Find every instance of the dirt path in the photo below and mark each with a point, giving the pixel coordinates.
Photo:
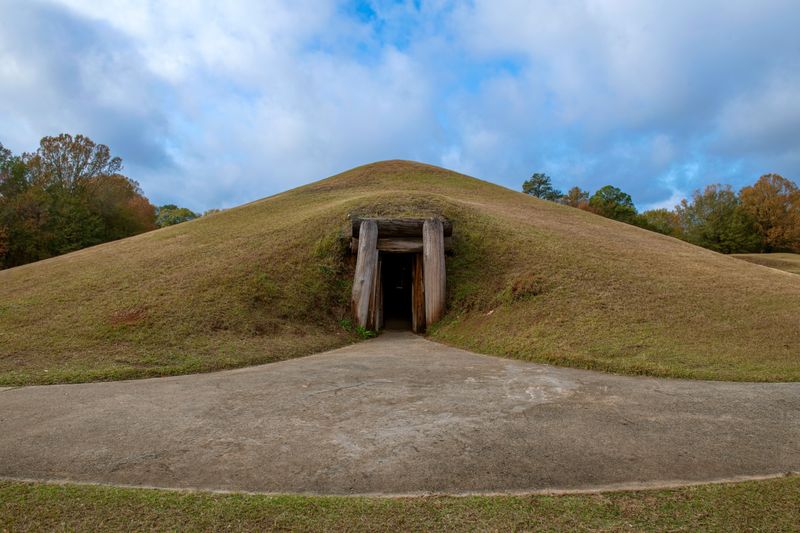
(399, 414)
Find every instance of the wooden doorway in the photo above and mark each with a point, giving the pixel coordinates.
(402, 293)
(399, 281)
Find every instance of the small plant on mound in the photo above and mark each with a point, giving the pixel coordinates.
(360, 331)
(365, 333)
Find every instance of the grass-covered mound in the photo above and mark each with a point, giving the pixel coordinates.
(271, 280)
(782, 261)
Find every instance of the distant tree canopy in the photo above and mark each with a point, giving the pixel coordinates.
(540, 186)
(762, 217)
(67, 195)
(171, 214)
(68, 162)
(715, 219)
(576, 197)
(662, 221)
(611, 202)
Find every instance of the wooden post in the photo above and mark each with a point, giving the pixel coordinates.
(434, 269)
(364, 279)
(417, 297)
(376, 305)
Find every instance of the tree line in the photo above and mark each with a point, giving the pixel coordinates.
(762, 217)
(69, 194)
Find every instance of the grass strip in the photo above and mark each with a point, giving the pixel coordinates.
(767, 505)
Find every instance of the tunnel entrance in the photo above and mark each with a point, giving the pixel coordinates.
(399, 280)
(396, 282)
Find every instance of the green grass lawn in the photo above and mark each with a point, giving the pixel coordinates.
(769, 505)
(271, 280)
(781, 261)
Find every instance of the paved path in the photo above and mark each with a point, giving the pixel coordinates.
(399, 414)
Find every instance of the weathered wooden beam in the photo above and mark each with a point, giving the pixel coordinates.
(399, 227)
(364, 279)
(434, 269)
(401, 245)
(376, 302)
(417, 296)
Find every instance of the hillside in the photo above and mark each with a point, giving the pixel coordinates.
(271, 280)
(782, 261)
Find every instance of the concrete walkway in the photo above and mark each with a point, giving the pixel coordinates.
(396, 415)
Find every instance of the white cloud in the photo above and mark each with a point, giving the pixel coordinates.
(212, 104)
(631, 91)
(260, 95)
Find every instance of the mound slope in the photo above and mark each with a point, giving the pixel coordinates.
(782, 261)
(271, 280)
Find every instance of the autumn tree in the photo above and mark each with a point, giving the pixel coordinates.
(26, 219)
(12, 186)
(12, 173)
(576, 197)
(541, 186)
(774, 204)
(715, 219)
(120, 204)
(67, 161)
(67, 195)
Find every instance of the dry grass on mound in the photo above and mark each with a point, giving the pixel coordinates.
(224, 291)
(271, 280)
(781, 261)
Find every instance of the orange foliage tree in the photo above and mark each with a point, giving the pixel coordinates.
(774, 204)
(576, 197)
(67, 195)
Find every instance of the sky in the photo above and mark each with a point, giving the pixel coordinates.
(213, 104)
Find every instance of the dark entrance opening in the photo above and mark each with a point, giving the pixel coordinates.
(399, 279)
(396, 279)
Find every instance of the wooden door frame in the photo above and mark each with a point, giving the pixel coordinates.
(428, 239)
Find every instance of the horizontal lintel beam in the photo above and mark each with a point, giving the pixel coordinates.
(399, 227)
(401, 245)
